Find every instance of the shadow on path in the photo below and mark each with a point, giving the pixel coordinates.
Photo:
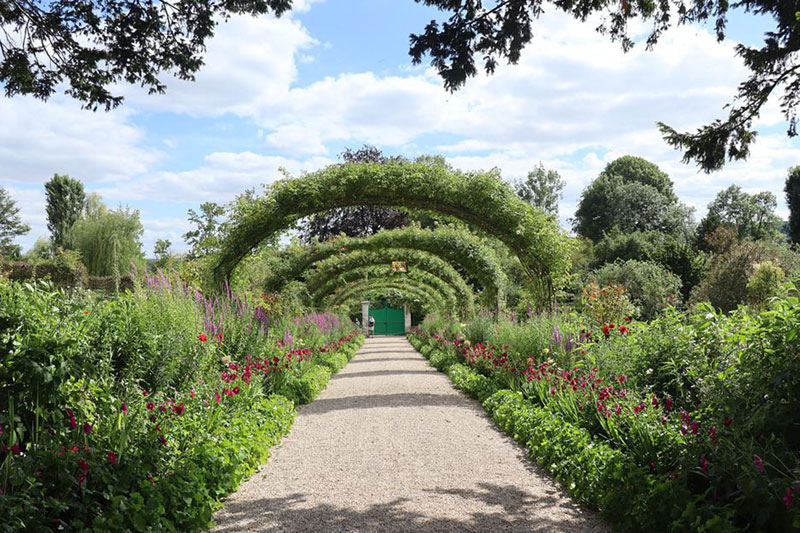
(371, 401)
(348, 375)
(517, 511)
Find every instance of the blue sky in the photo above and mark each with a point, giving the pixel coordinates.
(293, 92)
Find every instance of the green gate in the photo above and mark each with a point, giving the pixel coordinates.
(388, 321)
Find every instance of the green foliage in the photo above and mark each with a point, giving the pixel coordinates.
(11, 226)
(675, 254)
(66, 201)
(304, 388)
(108, 241)
(631, 194)
(132, 42)
(428, 296)
(650, 287)
(441, 360)
(606, 304)
(481, 199)
(764, 283)
(337, 271)
(459, 247)
(752, 215)
(792, 190)
(205, 238)
(142, 411)
(473, 384)
(731, 269)
(542, 188)
(162, 253)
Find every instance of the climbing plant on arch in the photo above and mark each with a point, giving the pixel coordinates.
(455, 301)
(421, 290)
(418, 300)
(480, 199)
(416, 260)
(457, 246)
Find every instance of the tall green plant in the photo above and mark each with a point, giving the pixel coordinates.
(109, 241)
(66, 200)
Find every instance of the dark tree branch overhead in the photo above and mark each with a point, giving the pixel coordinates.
(90, 45)
(501, 29)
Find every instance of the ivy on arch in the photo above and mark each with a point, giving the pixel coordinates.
(453, 300)
(328, 271)
(457, 246)
(421, 290)
(481, 199)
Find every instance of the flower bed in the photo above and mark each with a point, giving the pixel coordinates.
(95, 436)
(679, 445)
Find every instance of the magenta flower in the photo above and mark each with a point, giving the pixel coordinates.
(789, 498)
(87, 428)
(704, 464)
(759, 464)
(125, 408)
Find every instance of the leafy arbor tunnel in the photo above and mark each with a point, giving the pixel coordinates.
(447, 265)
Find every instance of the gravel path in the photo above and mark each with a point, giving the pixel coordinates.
(392, 446)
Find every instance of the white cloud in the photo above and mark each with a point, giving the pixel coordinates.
(38, 139)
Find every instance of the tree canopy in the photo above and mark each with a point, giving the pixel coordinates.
(66, 201)
(630, 194)
(500, 30)
(792, 191)
(11, 225)
(541, 188)
(751, 215)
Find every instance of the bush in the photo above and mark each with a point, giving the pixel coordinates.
(764, 283)
(650, 286)
(442, 359)
(304, 388)
(473, 384)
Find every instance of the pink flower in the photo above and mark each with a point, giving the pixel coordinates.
(87, 428)
(758, 463)
(162, 439)
(178, 409)
(668, 404)
(125, 408)
(704, 464)
(150, 406)
(655, 402)
(623, 379)
(112, 457)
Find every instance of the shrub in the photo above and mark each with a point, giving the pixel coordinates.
(606, 304)
(764, 283)
(442, 359)
(304, 388)
(650, 286)
(473, 384)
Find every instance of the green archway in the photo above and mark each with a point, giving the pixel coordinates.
(414, 298)
(453, 299)
(338, 266)
(420, 290)
(457, 246)
(481, 199)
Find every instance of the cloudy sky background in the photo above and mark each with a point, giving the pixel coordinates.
(294, 92)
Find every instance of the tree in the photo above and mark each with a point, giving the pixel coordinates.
(66, 200)
(162, 252)
(90, 47)
(631, 194)
(11, 225)
(792, 190)
(500, 30)
(751, 215)
(359, 221)
(542, 188)
(109, 241)
(204, 239)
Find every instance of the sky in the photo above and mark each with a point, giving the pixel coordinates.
(294, 92)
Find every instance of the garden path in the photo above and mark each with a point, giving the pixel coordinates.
(392, 446)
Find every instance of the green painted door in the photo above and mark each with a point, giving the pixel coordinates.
(388, 321)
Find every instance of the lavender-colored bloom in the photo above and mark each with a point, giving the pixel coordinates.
(287, 338)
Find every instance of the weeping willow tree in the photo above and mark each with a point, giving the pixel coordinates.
(108, 239)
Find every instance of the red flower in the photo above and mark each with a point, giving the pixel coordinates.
(727, 422)
(178, 409)
(655, 402)
(623, 379)
(150, 406)
(15, 449)
(217, 397)
(627, 319)
(789, 498)
(81, 478)
(125, 408)
(705, 465)
(87, 428)
(202, 337)
(236, 390)
(83, 465)
(162, 440)
(668, 404)
(112, 457)
(758, 463)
